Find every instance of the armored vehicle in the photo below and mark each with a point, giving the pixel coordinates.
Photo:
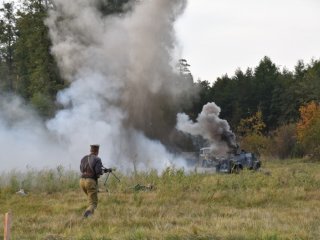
(231, 163)
(236, 162)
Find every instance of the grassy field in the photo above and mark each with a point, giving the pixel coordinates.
(280, 203)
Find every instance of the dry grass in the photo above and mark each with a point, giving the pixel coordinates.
(281, 205)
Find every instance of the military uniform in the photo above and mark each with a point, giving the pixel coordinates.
(91, 169)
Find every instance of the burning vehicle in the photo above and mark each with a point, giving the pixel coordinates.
(231, 163)
(223, 152)
(236, 162)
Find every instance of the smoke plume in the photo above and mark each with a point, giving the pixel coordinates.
(124, 89)
(209, 126)
(25, 141)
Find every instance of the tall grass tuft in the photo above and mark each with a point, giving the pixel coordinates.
(46, 180)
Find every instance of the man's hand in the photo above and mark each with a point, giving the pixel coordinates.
(106, 170)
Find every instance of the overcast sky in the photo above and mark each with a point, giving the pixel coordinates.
(219, 36)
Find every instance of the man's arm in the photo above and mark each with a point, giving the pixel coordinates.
(98, 167)
(82, 165)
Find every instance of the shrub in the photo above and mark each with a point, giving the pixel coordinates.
(284, 142)
(258, 144)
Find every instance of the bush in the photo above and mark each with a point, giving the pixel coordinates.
(258, 144)
(285, 142)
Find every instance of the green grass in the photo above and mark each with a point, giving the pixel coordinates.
(282, 203)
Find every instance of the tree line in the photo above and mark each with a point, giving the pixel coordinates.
(260, 104)
(265, 107)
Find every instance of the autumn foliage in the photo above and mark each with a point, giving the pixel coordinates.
(252, 125)
(251, 135)
(308, 129)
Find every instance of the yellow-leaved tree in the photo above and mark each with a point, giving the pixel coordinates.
(308, 129)
(251, 135)
(252, 125)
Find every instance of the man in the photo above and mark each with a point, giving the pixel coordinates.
(91, 169)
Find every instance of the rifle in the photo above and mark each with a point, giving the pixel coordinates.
(109, 171)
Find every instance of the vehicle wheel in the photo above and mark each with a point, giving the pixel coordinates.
(236, 169)
(257, 165)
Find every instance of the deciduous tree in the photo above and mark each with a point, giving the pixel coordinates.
(308, 128)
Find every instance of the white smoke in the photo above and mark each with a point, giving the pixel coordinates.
(122, 84)
(25, 141)
(120, 73)
(209, 126)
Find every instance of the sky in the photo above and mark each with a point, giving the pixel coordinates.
(217, 37)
